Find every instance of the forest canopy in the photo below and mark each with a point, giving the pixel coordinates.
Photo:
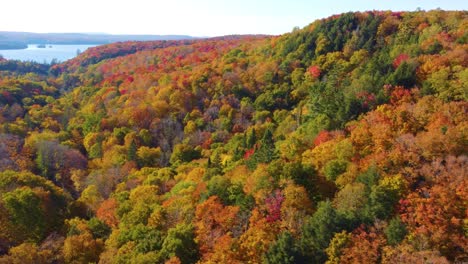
(342, 142)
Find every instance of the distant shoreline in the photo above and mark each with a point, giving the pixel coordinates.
(21, 46)
(12, 46)
(45, 53)
(20, 40)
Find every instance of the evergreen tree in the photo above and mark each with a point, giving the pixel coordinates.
(213, 167)
(251, 138)
(318, 231)
(132, 151)
(180, 242)
(283, 251)
(395, 231)
(266, 151)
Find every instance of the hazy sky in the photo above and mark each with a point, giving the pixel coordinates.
(189, 17)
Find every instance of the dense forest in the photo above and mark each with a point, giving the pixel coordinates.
(342, 142)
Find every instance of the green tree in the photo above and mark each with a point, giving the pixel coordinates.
(24, 208)
(218, 185)
(383, 198)
(132, 151)
(395, 231)
(266, 151)
(334, 168)
(148, 157)
(327, 98)
(251, 139)
(318, 231)
(180, 242)
(144, 238)
(369, 177)
(184, 153)
(213, 166)
(404, 75)
(98, 228)
(283, 251)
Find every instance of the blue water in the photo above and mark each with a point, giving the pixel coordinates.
(45, 55)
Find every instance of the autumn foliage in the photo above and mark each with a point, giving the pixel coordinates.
(343, 142)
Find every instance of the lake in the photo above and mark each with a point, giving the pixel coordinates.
(51, 51)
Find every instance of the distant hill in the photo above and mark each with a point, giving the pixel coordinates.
(19, 40)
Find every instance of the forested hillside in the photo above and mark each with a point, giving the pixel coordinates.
(342, 142)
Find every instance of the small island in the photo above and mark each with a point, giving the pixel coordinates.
(41, 46)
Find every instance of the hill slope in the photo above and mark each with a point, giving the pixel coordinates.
(343, 142)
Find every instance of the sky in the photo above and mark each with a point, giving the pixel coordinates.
(203, 18)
